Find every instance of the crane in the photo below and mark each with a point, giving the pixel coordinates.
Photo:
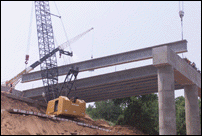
(44, 29)
(16, 79)
(57, 101)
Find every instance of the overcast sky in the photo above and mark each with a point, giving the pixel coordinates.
(119, 26)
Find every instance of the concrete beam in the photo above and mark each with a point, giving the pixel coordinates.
(116, 59)
(184, 73)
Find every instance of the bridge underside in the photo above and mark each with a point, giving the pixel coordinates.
(126, 83)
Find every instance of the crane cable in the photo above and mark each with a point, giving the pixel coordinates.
(181, 14)
(64, 31)
(92, 51)
(92, 45)
(29, 37)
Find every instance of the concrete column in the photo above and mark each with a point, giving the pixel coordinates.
(167, 116)
(192, 110)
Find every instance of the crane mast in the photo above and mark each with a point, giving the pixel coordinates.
(49, 70)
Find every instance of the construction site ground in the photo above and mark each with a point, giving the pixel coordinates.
(21, 124)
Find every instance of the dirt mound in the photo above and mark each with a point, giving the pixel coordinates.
(103, 123)
(126, 130)
(7, 103)
(18, 124)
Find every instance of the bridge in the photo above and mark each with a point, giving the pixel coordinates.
(168, 72)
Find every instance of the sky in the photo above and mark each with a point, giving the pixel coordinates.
(119, 26)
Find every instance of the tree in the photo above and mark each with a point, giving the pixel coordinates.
(105, 110)
(180, 115)
(141, 112)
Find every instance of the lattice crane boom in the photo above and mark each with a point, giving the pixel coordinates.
(18, 77)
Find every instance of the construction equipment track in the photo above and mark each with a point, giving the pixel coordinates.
(19, 111)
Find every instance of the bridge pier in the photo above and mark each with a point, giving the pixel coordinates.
(167, 117)
(169, 63)
(193, 126)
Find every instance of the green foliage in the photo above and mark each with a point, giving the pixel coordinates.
(142, 113)
(105, 110)
(180, 115)
(120, 120)
(138, 111)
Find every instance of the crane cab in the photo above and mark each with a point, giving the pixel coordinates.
(67, 107)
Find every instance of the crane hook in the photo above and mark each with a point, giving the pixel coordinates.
(181, 14)
(26, 59)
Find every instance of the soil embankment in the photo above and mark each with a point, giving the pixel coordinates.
(18, 124)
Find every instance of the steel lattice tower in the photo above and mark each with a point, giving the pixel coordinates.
(49, 71)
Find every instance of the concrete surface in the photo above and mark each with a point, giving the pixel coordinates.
(185, 74)
(193, 126)
(167, 117)
(172, 68)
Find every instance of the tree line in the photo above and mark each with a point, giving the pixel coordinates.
(138, 111)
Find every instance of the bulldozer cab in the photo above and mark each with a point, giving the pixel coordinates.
(67, 107)
(56, 106)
